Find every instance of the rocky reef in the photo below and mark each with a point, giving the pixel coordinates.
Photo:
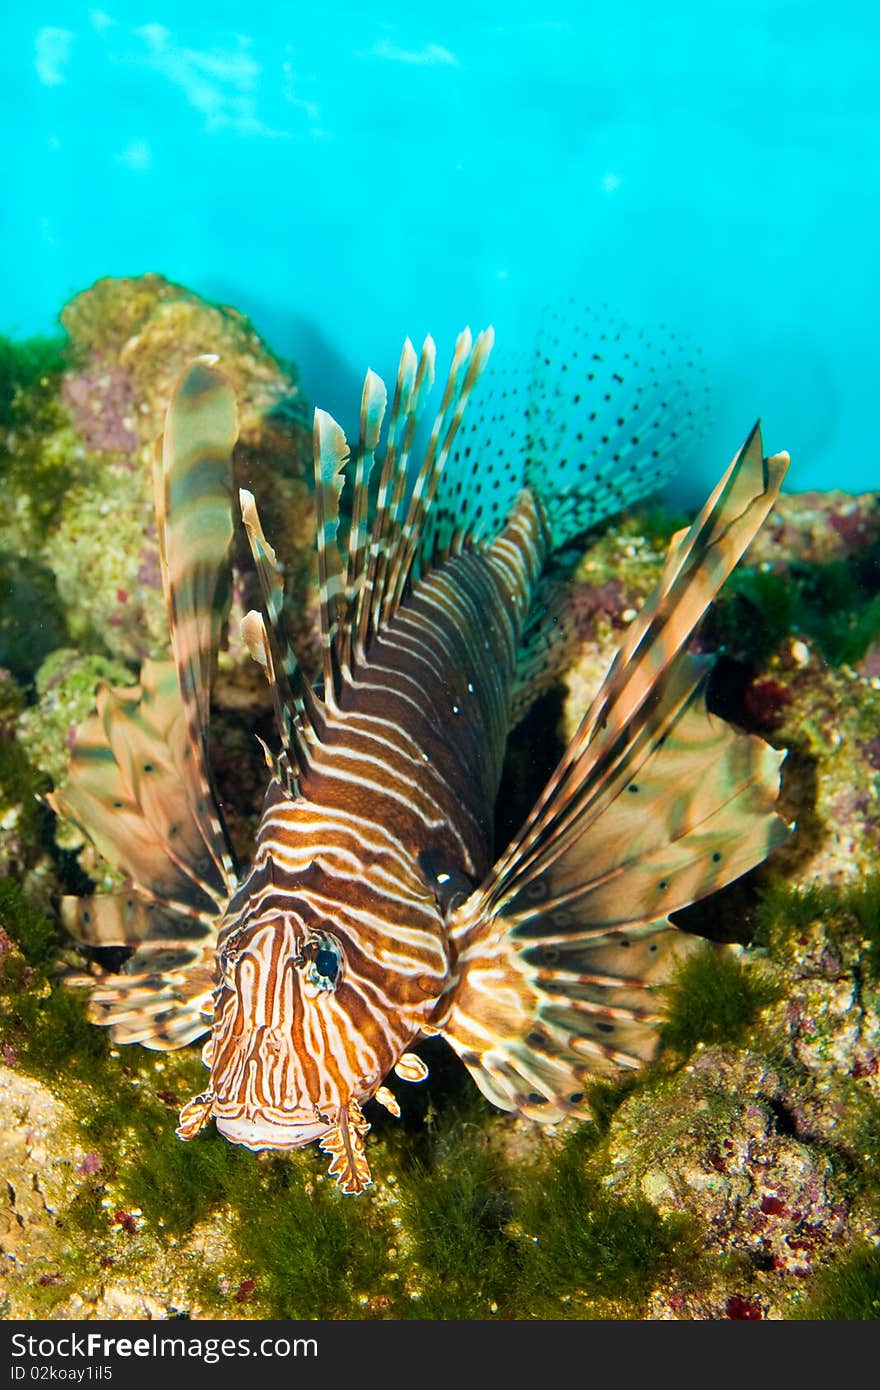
(738, 1177)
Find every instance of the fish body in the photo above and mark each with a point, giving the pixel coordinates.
(372, 913)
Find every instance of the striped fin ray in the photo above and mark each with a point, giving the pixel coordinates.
(269, 644)
(654, 805)
(331, 456)
(414, 382)
(599, 757)
(373, 402)
(357, 603)
(165, 1005)
(192, 479)
(469, 360)
(126, 789)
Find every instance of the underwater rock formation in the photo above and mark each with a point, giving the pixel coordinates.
(736, 1178)
(80, 456)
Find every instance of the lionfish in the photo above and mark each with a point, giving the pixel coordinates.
(373, 914)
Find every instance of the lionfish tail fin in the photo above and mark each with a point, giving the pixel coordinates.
(655, 804)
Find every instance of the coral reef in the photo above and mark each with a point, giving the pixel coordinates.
(736, 1178)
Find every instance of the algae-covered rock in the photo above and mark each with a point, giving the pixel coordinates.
(65, 683)
(709, 1143)
(78, 458)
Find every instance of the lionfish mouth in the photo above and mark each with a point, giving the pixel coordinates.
(261, 1132)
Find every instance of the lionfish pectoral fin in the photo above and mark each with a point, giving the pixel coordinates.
(345, 1146)
(654, 804)
(163, 1006)
(162, 998)
(139, 783)
(195, 1115)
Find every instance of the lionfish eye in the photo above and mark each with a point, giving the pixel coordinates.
(321, 960)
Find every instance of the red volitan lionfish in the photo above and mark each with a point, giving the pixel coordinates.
(372, 914)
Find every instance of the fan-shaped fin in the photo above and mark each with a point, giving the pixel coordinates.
(139, 783)
(561, 619)
(128, 788)
(654, 805)
(162, 996)
(597, 416)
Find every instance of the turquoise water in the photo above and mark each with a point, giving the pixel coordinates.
(349, 173)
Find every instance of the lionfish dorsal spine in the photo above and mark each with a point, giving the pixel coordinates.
(330, 457)
(268, 640)
(469, 360)
(361, 590)
(373, 402)
(403, 394)
(406, 414)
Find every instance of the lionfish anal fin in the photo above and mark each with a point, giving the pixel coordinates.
(653, 805)
(345, 1146)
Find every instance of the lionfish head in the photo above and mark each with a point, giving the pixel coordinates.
(290, 1060)
(284, 1057)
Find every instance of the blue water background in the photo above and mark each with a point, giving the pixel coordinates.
(350, 173)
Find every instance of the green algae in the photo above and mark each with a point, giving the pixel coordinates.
(29, 370)
(311, 1252)
(22, 816)
(36, 455)
(784, 911)
(713, 998)
(587, 1244)
(848, 1291)
(832, 603)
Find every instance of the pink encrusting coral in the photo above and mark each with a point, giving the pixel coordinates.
(102, 401)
